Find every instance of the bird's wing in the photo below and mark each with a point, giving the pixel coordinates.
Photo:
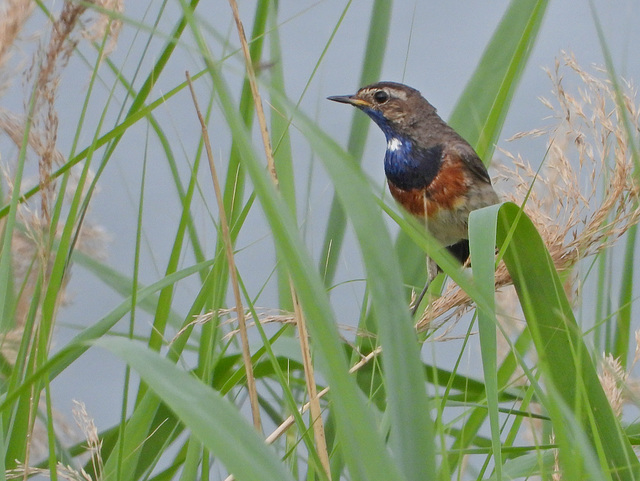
(471, 159)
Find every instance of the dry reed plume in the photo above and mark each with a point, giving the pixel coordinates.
(42, 81)
(32, 242)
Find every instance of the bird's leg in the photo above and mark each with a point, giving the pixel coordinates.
(432, 267)
(432, 271)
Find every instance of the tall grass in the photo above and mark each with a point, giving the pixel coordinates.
(369, 409)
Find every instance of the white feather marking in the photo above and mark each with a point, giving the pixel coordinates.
(394, 144)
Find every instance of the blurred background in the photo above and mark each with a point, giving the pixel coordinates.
(432, 46)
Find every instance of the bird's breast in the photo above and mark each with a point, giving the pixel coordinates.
(446, 191)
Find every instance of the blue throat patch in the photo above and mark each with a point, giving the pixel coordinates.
(408, 167)
(405, 165)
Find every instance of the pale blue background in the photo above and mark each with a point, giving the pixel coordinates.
(433, 46)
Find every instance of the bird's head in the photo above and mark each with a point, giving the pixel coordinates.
(396, 108)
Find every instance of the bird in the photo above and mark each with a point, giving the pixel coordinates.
(431, 170)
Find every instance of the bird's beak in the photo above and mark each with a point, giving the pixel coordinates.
(351, 100)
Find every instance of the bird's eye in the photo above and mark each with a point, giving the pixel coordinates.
(381, 96)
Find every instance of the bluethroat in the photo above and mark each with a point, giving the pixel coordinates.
(431, 170)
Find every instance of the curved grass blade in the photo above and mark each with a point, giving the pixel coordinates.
(482, 241)
(78, 345)
(622, 328)
(408, 406)
(574, 397)
(213, 420)
(371, 68)
(482, 108)
(364, 449)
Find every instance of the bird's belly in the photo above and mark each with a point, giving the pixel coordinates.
(448, 226)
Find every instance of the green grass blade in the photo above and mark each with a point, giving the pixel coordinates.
(624, 327)
(563, 357)
(78, 345)
(620, 100)
(371, 68)
(235, 180)
(365, 452)
(527, 466)
(623, 322)
(482, 108)
(482, 241)
(6, 277)
(411, 427)
(282, 154)
(477, 417)
(120, 283)
(114, 133)
(211, 418)
(165, 298)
